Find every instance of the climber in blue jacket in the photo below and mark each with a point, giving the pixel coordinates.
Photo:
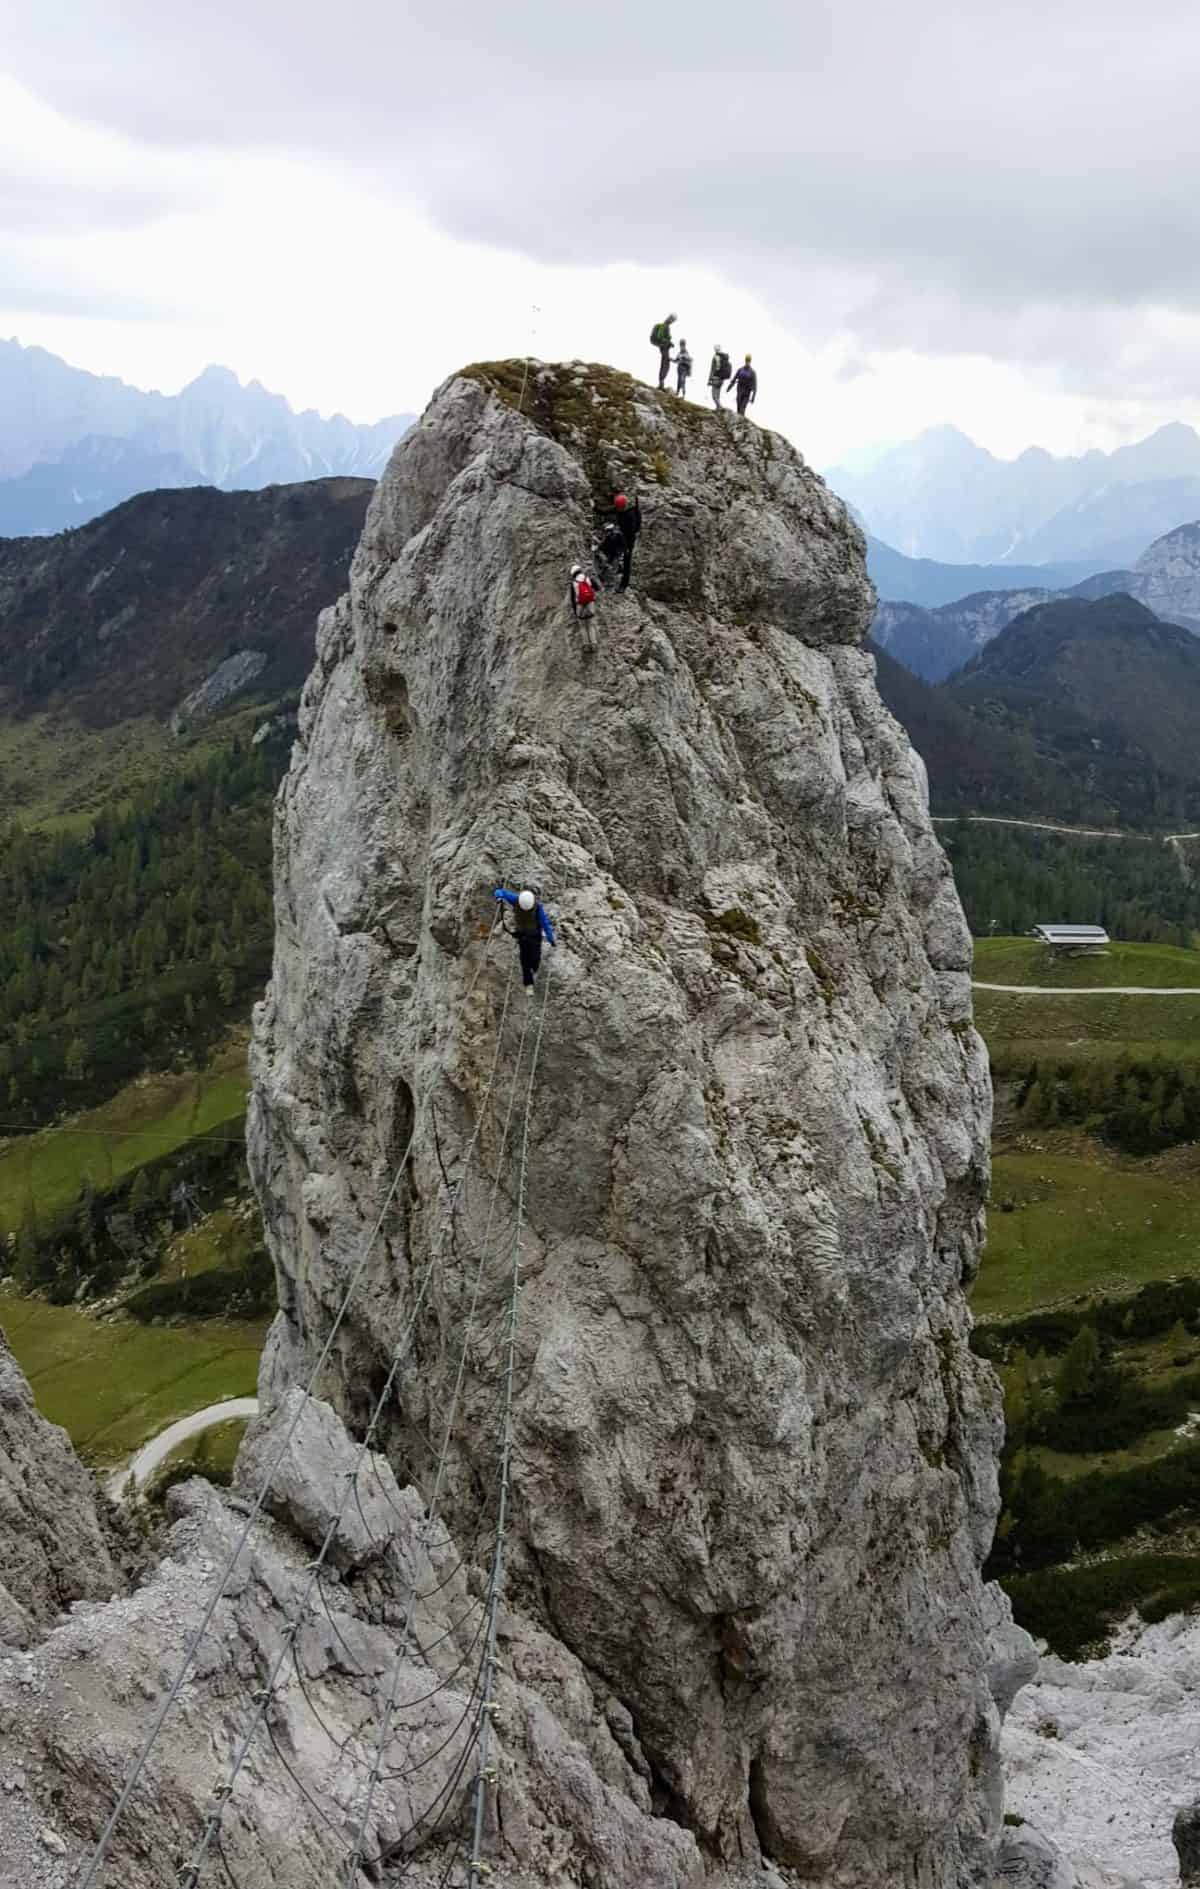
(530, 926)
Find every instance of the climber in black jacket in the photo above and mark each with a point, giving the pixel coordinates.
(629, 523)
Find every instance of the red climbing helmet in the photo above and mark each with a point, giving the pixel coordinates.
(620, 501)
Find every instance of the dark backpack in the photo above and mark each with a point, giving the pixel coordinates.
(660, 335)
(723, 366)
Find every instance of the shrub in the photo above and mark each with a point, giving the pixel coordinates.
(1074, 1609)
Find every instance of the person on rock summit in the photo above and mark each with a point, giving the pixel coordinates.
(629, 523)
(530, 926)
(683, 369)
(718, 373)
(660, 338)
(746, 382)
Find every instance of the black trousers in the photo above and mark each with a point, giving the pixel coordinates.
(743, 401)
(664, 364)
(681, 381)
(626, 566)
(529, 944)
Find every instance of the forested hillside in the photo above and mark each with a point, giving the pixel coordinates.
(1081, 712)
(132, 945)
(1012, 878)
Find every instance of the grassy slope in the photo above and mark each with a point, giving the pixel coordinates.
(147, 1119)
(1023, 961)
(113, 1385)
(1085, 1222)
(1088, 1028)
(1026, 1029)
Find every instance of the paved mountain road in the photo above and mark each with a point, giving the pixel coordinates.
(139, 1469)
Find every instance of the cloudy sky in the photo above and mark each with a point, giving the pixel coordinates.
(911, 214)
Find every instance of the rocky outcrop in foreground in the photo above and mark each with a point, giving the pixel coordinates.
(54, 1548)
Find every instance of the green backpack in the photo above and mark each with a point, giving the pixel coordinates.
(660, 335)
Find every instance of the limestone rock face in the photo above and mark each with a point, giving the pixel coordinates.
(753, 1468)
(53, 1547)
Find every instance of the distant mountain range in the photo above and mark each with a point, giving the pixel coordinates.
(941, 496)
(73, 444)
(925, 581)
(1082, 711)
(934, 643)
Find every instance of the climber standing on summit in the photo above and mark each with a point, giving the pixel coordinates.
(718, 373)
(746, 382)
(629, 523)
(530, 926)
(660, 338)
(683, 369)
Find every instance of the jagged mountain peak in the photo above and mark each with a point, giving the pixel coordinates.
(226, 434)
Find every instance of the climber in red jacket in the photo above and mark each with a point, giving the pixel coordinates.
(583, 604)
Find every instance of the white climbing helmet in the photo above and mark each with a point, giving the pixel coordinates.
(526, 900)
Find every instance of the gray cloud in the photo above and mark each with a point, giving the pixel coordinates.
(943, 178)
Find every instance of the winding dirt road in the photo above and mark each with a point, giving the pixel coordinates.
(139, 1469)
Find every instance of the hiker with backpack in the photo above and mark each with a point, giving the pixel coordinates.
(530, 925)
(660, 338)
(608, 553)
(683, 369)
(718, 373)
(583, 604)
(746, 382)
(628, 523)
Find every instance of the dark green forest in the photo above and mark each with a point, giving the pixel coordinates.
(1138, 1107)
(1012, 878)
(137, 942)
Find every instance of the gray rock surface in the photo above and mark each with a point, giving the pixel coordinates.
(1104, 1754)
(75, 1709)
(53, 1545)
(236, 673)
(1012, 1653)
(1167, 577)
(1028, 1860)
(754, 1465)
